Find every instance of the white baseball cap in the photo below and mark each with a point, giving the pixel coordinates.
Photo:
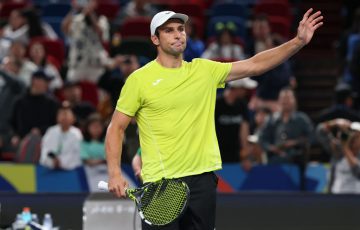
(161, 17)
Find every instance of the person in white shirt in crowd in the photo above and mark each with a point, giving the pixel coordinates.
(341, 138)
(25, 24)
(60, 148)
(86, 31)
(18, 51)
(37, 55)
(224, 46)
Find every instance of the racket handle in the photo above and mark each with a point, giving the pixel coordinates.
(102, 185)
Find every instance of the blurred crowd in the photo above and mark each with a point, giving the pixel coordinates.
(63, 64)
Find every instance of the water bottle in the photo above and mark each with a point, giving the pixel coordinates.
(18, 223)
(47, 222)
(35, 218)
(26, 215)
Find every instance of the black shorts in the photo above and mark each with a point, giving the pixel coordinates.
(200, 213)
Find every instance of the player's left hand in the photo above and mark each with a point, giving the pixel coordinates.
(308, 25)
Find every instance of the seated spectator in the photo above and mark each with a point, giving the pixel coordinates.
(5, 42)
(86, 31)
(36, 109)
(26, 24)
(18, 50)
(344, 51)
(194, 45)
(37, 55)
(113, 80)
(60, 147)
(136, 164)
(341, 139)
(271, 82)
(134, 8)
(72, 93)
(342, 107)
(10, 89)
(92, 147)
(232, 121)
(224, 47)
(286, 132)
(258, 155)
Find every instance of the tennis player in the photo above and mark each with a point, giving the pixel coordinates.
(173, 102)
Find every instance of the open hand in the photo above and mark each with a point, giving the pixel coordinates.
(308, 25)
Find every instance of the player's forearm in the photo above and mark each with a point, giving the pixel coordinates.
(113, 146)
(271, 58)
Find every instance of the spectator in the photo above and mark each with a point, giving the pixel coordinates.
(112, 81)
(60, 147)
(86, 32)
(135, 8)
(345, 49)
(82, 109)
(258, 155)
(341, 139)
(10, 89)
(224, 47)
(37, 55)
(18, 50)
(342, 108)
(36, 109)
(92, 147)
(274, 80)
(287, 132)
(232, 121)
(26, 24)
(194, 45)
(136, 164)
(5, 42)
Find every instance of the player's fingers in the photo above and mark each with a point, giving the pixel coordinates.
(318, 25)
(306, 15)
(116, 191)
(316, 20)
(313, 16)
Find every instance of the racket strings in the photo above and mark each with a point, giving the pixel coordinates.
(162, 203)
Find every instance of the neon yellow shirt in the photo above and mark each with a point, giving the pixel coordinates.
(174, 109)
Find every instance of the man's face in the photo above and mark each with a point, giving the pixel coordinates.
(287, 100)
(172, 37)
(261, 29)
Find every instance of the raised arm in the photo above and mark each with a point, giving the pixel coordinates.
(271, 58)
(113, 146)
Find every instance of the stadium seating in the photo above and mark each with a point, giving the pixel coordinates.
(55, 10)
(108, 8)
(280, 25)
(274, 8)
(136, 27)
(9, 6)
(230, 9)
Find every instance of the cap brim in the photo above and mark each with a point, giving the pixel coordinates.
(182, 17)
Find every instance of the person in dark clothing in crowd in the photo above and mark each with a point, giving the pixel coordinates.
(232, 120)
(342, 108)
(81, 109)
(36, 110)
(10, 88)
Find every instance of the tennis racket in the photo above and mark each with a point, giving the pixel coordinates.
(159, 203)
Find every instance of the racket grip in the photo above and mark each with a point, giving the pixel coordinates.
(102, 185)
